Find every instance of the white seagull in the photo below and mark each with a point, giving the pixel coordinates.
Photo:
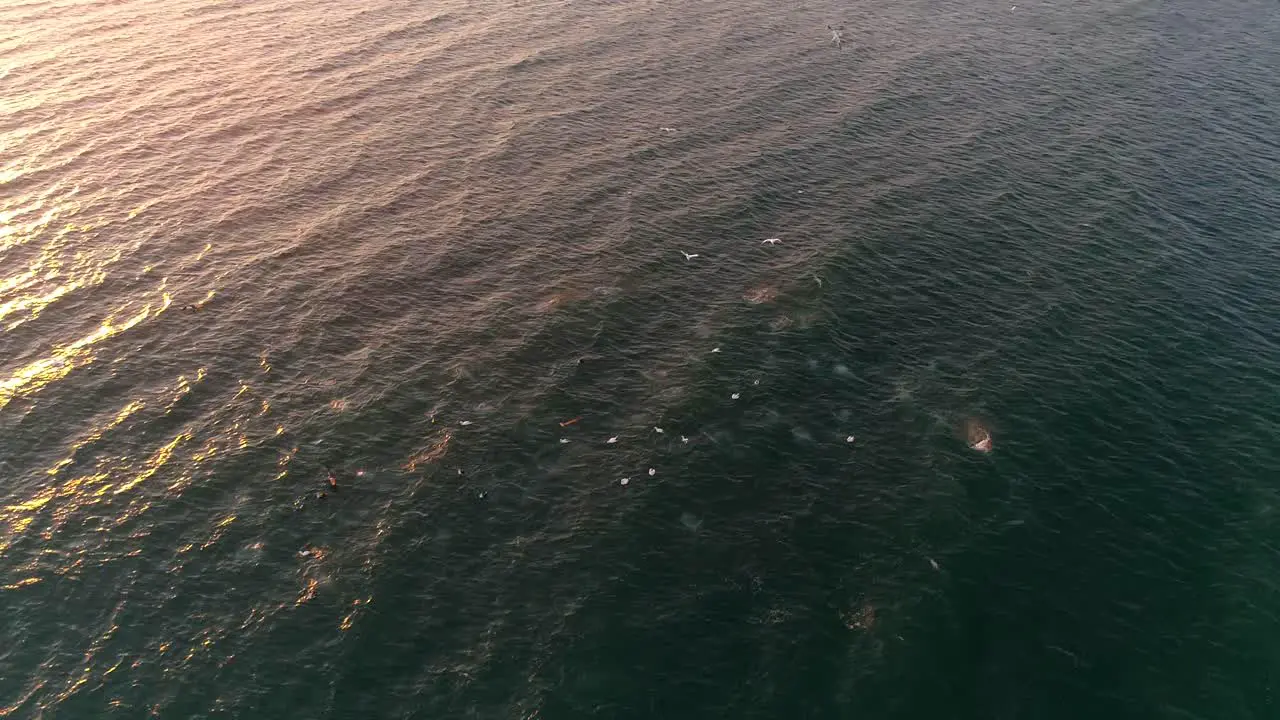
(835, 35)
(688, 256)
(771, 241)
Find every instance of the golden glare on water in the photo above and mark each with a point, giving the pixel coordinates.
(349, 620)
(22, 583)
(240, 422)
(96, 434)
(308, 591)
(63, 360)
(432, 453)
(219, 529)
(154, 463)
(81, 490)
(19, 233)
(59, 269)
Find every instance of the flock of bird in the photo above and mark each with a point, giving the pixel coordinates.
(980, 442)
(979, 438)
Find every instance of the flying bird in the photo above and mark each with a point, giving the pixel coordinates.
(835, 35)
(688, 256)
(771, 241)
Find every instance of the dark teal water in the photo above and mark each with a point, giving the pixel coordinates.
(436, 251)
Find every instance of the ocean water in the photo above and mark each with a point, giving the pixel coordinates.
(435, 251)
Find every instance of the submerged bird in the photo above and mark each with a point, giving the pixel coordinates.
(691, 522)
(688, 256)
(977, 436)
(835, 35)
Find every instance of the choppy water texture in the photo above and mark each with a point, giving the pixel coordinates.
(436, 248)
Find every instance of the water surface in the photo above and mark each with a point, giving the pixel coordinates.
(435, 249)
